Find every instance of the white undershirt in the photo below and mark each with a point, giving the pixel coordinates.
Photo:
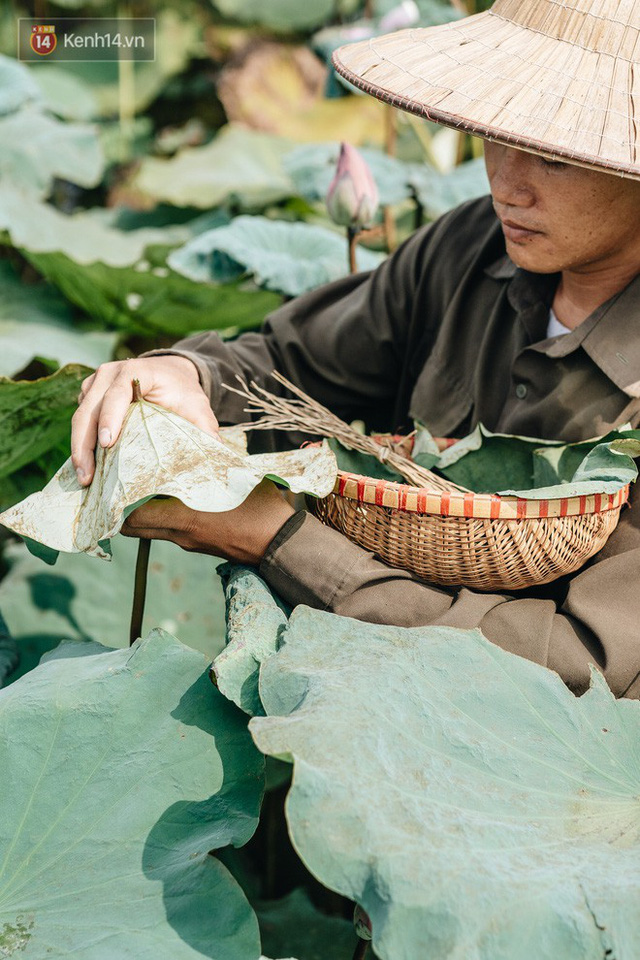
(555, 328)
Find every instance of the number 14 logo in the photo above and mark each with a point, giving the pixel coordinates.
(43, 39)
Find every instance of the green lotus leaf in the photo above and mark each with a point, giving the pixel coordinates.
(363, 464)
(252, 636)
(439, 192)
(290, 258)
(43, 606)
(35, 148)
(36, 322)
(286, 16)
(122, 769)
(293, 925)
(148, 297)
(462, 795)
(35, 415)
(241, 165)
(121, 277)
(158, 453)
(542, 469)
(63, 93)
(85, 238)
(17, 85)
(9, 656)
(432, 12)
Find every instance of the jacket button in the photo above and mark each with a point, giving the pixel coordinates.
(521, 391)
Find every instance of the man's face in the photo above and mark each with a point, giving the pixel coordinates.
(557, 217)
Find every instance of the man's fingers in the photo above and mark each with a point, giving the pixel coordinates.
(84, 433)
(105, 397)
(84, 423)
(115, 403)
(156, 516)
(86, 385)
(202, 416)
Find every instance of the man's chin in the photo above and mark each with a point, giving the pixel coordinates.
(527, 257)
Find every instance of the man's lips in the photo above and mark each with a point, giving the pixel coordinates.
(518, 231)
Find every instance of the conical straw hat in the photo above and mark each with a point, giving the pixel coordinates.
(556, 77)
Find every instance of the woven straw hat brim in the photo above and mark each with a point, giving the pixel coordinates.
(548, 77)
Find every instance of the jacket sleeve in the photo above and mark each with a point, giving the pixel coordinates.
(594, 619)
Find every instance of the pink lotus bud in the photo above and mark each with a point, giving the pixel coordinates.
(405, 15)
(352, 198)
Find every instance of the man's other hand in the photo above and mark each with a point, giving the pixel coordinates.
(242, 534)
(170, 381)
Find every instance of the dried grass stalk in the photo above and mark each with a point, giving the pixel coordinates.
(308, 416)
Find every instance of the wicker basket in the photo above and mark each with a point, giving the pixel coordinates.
(476, 540)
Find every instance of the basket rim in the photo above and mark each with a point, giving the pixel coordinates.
(491, 506)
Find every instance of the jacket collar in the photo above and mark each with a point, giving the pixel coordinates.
(610, 335)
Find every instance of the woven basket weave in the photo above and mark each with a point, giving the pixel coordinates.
(475, 540)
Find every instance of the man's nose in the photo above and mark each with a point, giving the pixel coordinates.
(510, 178)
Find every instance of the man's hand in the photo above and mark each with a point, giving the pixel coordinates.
(170, 381)
(242, 534)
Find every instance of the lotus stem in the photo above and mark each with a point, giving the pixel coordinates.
(139, 590)
(361, 950)
(142, 564)
(352, 241)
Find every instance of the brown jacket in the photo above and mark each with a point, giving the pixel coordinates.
(449, 331)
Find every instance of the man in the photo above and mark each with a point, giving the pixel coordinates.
(520, 311)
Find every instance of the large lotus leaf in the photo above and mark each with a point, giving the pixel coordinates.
(432, 12)
(9, 655)
(313, 167)
(17, 86)
(148, 297)
(363, 464)
(158, 453)
(252, 636)
(35, 148)
(279, 89)
(240, 165)
(439, 192)
(288, 257)
(63, 93)
(36, 322)
(36, 227)
(35, 415)
(43, 606)
(120, 276)
(531, 468)
(473, 806)
(287, 16)
(122, 769)
(293, 925)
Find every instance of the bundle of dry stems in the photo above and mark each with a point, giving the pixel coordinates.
(306, 415)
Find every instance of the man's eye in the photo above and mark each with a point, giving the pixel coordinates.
(557, 164)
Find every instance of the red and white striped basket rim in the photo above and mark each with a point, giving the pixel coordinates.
(484, 506)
